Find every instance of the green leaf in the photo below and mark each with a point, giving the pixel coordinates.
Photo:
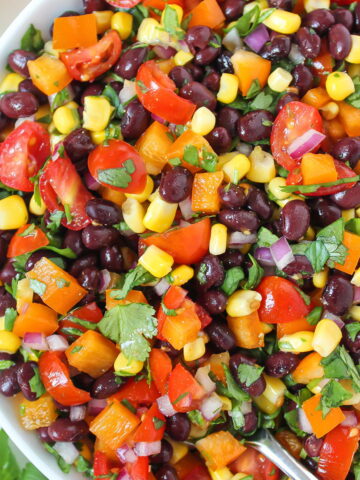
(353, 226)
(134, 278)
(84, 323)
(333, 395)
(317, 255)
(55, 220)
(233, 276)
(248, 374)
(332, 237)
(266, 238)
(30, 472)
(168, 311)
(20, 262)
(10, 317)
(68, 215)
(130, 325)
(64, 467)
(36, 385)
(232, 389)
(175, 162)
(61, 98)
(62, 283)
(239, 104)
(118, 177)
(314, 187)
(292, 420)
(255, 274)
(29, 231)
(4, 364)
(353, 329)
(114, 99)
(254, 89)
(191, 155)
(9, 469)
(334, 230)
(340, 365)
(158, 423)
(37, 286)
(354, 98)
(237, 416)
(195, 417)
(171, 23)
(314, 316)
(12, 288)
(32, 40)
(64, 252)
(209, 161)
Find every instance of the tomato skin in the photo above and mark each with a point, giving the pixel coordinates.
(123, 3)
(85, 64)
(56, 379)
(101, 464)
(156, 91)
(114, 155)
(253, 463)
(139, 470)
(90, 312)
(183, 389)
(293, 120)
(19, 245)
(137, 393)
(337, 454)
(22, 154)
(281, 302)
(147, 430)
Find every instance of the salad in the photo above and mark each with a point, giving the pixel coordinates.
(180, 237)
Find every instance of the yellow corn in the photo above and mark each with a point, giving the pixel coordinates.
(224, 158)
(282, 21)
(262, 4)
(354, 54)
(156, 261)
(279, 79)
(13, 212)
(262, 166)
(179, 12)
(203, 121)
(221, 474)
(311, 5)
(327, 337)
(133, 213)
(226, 403)
(43, 111)
(353, 70)
(103, 20)
(298, 342)
(273, 397)
(229, 85)
(145, 194)
(35, 208)
(98, 137)
(348, 214)
(24, 294)
(356, 278)
(355, 312)
(182, 58)
(218, 239)
(97, 113)
(9, 342)
(282, 203)
(339, 85)
(194, 350)
(320, 279)
(267, 327)
(348, 385)
(241, 476)
(151, 32)
(243, 302)
(310, 233)
(66, 119)
(182, 275)
(275, 188)
(179, 451)
(160, 215)
(11, 82)
(329, 111)
(236, 168)
(122, 22)
(127, 366)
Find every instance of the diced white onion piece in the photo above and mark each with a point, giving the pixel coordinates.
(350, 420)
(246, 407)
(144, 449)
(165, 406)
(67, 451)
(295, 55)
(77, 413)
(161, 287)
(128, 91)
(202, 376)
(57, 343)
(232, 40)
(239, 239)
(186, 208)
(304, 423)
(126, 454)
(211, 407)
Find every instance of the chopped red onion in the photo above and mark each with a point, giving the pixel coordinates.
(257, 39)
(90, 182)
(67, 451)
(232, 40)
(307, 142)
(161, 287)
(128, 92)
(184, 46)
(202, 376)
(55, 154)
(144, 449)
(165, 406)
(124, 475)
(304, 423)
(164, 52)
(264, 257)
(21, 120)
(282, 253)
(158, 119)
(334, 318)
(350, 420)
(356, 295)
(95, 406)
(126, 454)
(77, 413)
(186, 208)
(57, 343)
(36, 341)
(105, 279)
(239, 239)
(211, 406)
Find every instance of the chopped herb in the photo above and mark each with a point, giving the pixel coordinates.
(142, 86)
(333, 394)
(317, 255)
(61, 98)
(175, 162)
(353, 329)
(171, 23)
(195, 417)
(266, 238)
(255, 274)
(61, 282)
(36, 385)
(64, 467)
(32, 40)
(292, 420)
(314, 316)
(67, 211)
(168, 311)
(191, 155)
(248, 374)
(354, 98)
(353, 226)
(77, 349)
(201, 274)
(10, 317)
(4, 364)
(37, 286)
(254, 89)
(134, 278)
(55, 220)
(209, 160)
(114, 99)
(12, 288)
(158, 423)
(233, 276)
(313, 188)
(180, 397)
(118, 177)
(29, 231)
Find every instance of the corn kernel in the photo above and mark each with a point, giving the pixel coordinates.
(229, 86)
(145, 194)
(221, 474)
(224, 158)
(282, 21)
(13, 213)
(348, 385)
(298, 342)
(279, 79)
(182, 58)
(356, 278)
(262, 166)
(320, 278)
(275, 188)
(133, 213)
(273, 396)
(236, 169)
(66, 119)
(226, 403)
(329, 111)
(282, 203)
(311, 5)
(97, 113)
(348, 214)
(156, 261)
(262, 4)
(267, 327)
(122, 22)
(127, 366)
(179, 451)
(113, 195)
(354, 54)
(339, 85)
(36, 208)
(327, 337)
(98, 137)
(355, 312)
(160, 215)
(151, 32)
(103, 20)
(9, 342)
(194, 350)
(11, 82)
(243, 302)
(24, 294)
(309, 234)
(182, 275)
(218, 239)
(353, 70)
(203, 121)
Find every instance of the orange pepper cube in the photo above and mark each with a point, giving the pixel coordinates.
(92, 353)
(250, 67)
(36, 318)
(205, 194)
(40, 413)
(349, 116)
(61, 290)
(321, 426)
(248, 330)
(183, 327)
(219, 449)
(207, 12)
(318, 168)
(352, 243)
(308, 369)
(49, 74)
(74, 32)
(134, 296)
(153, 146)
(114, 425)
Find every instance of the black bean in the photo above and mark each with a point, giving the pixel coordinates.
(9, 385)
(195, 71)
(130, 61)
(3, 251)
(135, 120)
(233, 9)
(36, 256)
(347, 198)
(221, 335)
(28, 86)
(178, 427)
(212, 81)
(339, 41)
(259, 203)
(278, 47)
(91, 6)
(319, 20)
(250, 422)
(117, 86)
(295, 219)
(338, 295)
(356, 13)
(19, 104)
(198, 94)
(257, 387)
(18, 61)
(207, 55)
(285, 99)
(255, 126)
(89, 278)
(88, 260)
(4, 121)
(95, 237)
(281, 363)
(25, 372)
(44, 434)
(111, 258)
(105, 386)
(73, 241)
(175, 184)
(239, 220)
(198, 37)
(219, 139)
(167, 472)
(283, 4)
(325, 212)
(83, 380)
(210, 272)
(103, 211)
(165, 453)
(78, 144)
(223, 63)
(232, 258)
(227, 118)
(65, 430)
(344, 16)
(309, 42)
(8, 272)
(347, 150)
(312, 445)
(214, 301)
(302, 78)
(6, 301)
(233, 196)
(180, 76)
(300, 265)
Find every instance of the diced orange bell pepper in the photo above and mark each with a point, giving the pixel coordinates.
(217, 362)
(219, 449)
(153, 146)
(250, 67)
(112, 195)
(114, 425)
(316, 97)
(320, 425)
(350, 118)
(137, 392)
(308, 369)
(183, 327)
(248, 330)
(318, 168)
(92, 353)
(206, 13)
(301, 325)
(40, 413)
(61, 290)
(205, 195)
(134, 296)
(36, 318)
(49, 74)
(160, 368)
(352, 243)
(184, 389)
(74, 32)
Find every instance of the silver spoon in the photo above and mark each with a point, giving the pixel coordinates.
(266, 444)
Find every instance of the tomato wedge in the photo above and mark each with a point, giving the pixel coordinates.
(184, 389)
(156, 91)
(22, 155)
(137, 392)
(152, 428)
(294, 120)
(187, 245)
(85, 64)
(123, 3)
(89, 312)
(254, 463)
(61, 189)
(27, 239)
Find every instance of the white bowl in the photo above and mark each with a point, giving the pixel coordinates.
(40, 13)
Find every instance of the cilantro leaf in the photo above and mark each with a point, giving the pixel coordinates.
(55, 220)
(266, 238)
(340, 365)
(317, 254)
(248, 374)
(232, 389)
(65, 252)
(10, 317)
(61, 98)
(168, 311)
(37, 286)
(20, 262)
(118, 177)
(4, 364)
(196, 417)
(36, 385)
(353, 226)
(233, 276)
(32, 40)
(254, 89)
(333, 395)
(354, 98)
(64, 467)
(255, 274)
(171, 23)
(313, 188)
(292, 420)
(353, 329)
(134, 278)
(314, 316)
(29, 231)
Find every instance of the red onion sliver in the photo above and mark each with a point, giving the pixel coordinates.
(257, 39)
(186, 208)
(158, 119)
(239, 239)
(307, 142)
(77, 413)
(95, 406)
(165, 406)
(126, 454)
(105, 279)
(334, 318)
(57, 343)
(304, 423)
(202, 376)
(67, 451)
(90, 182)
(356, 295)
(124, 475)
(264, 257)
(281, 253)
(161, 287)
(210, 407)
(144, 449)
(36, 341)
(164, 52)
(350, 420)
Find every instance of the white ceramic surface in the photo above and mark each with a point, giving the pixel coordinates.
(41, 14)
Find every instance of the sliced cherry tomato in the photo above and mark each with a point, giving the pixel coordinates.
(337, 454)
(118, 166)
(22, 154)
(184, 389)
(61, 189)
(56, 379)
(196, 237)
(199, 472)
(281, 301)
(123, 3)
(160, 368)
(137, 392)
(101, 464)
(204, 317)
(27, 239)
(89, 312)
(156, 91)
(85, 64)
(152, 427)
(139, 470)
(253, 463)
(343, 171)
(294, 120)
(174, 297)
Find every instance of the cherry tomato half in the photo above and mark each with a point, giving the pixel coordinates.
(27, 239)
(294, 120)
(253, 463)
(123, 3)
